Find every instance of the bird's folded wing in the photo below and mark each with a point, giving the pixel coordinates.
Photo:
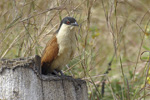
(50, 52)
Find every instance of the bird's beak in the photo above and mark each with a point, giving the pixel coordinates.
(75, 24)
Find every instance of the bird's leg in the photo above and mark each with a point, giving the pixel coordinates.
(55, 72)
(61, 73)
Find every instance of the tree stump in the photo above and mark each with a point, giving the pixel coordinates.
(20, 80)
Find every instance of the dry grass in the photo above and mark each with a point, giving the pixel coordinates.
(110, 41)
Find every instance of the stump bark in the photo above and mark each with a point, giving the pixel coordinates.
(20, 80)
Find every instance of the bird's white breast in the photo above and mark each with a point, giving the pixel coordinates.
(67, 44)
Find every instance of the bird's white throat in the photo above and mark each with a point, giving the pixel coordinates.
(67, 45)
(66, 38)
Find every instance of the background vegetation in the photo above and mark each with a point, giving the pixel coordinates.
(113, 41)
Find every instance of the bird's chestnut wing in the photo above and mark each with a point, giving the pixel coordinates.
(50, 51)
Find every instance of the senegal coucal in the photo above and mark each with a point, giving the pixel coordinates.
(60, 49)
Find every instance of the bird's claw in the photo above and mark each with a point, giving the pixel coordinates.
(55, 72)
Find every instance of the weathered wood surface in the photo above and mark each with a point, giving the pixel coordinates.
(19, 80)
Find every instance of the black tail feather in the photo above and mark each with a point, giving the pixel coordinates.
(44, 69)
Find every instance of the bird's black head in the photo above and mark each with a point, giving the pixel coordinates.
(68, 21)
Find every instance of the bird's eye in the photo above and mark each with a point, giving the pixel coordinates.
(68, 22)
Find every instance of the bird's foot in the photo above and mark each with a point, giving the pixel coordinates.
(63, 75)
(59, 73)
(55, 73)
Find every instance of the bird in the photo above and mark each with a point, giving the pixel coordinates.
(60, 48)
